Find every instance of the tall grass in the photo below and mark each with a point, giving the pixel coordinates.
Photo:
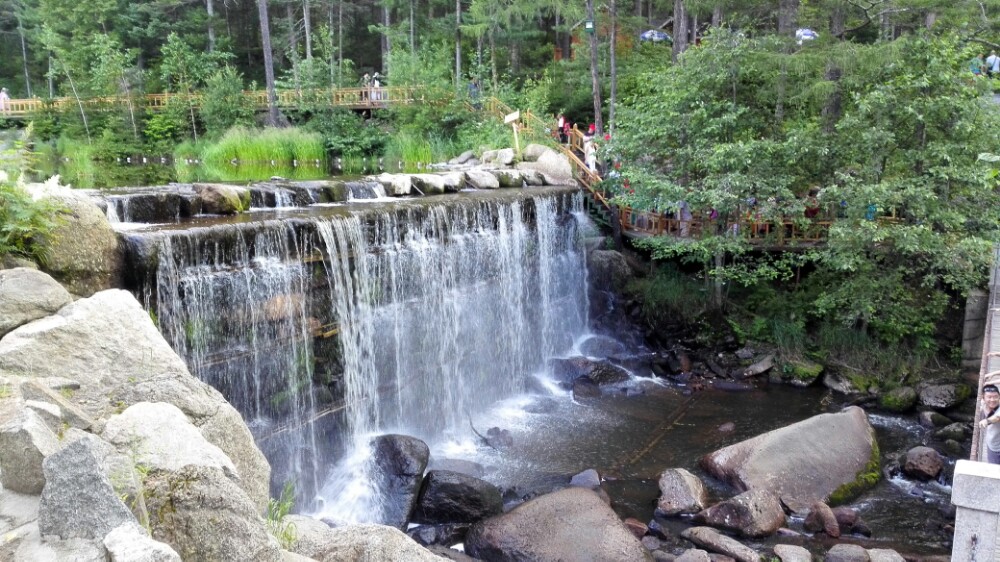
(867, 361)
(255, 146)
(669, 294)
(412, 149)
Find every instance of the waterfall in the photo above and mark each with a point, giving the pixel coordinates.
(325, 330)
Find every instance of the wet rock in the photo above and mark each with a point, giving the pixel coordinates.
(453, 181)
(727, 427)
(755, 513)
(694, 555)
(509, 177)
(499, 438)
(923, 463)
(801, 373)
(838, 383)
(847, 519)
(884, 555)
(822, 518)
(479, 179)
(804, 462)
(846, 553)
(569, 369)
(587, 479)
(601, 346)
(606, 374)
(651, 542)
(359, 543)
(450, 554)
(954, 431)
(396, 184)
(955, 448)
(944, 396)
(932, 419)
(608, 269)
(556, 526)
(680, 492)
(428, 184)
(898, 400)
(78, 500)
(584, 388)
(710, 539)
(452, 497)
(636, 527)
(222, 199)
(760, 367)
(792, 553)
(463, 466)
(26, 295)
(445, 535)
(400, 462)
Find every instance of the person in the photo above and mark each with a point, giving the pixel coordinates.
(992, 64)
(376, 84)
(474, 94)
(4, 100)
(991, 423)
(590, 153)
(976, 65)
(591, 131)
(560, 127)
(812, 204)
(566, 128)
(366, 82)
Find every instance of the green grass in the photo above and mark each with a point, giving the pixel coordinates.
(412, 149)
(264, 146)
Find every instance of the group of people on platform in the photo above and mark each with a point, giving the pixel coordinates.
(990, 66)
(371, 87)
(590, 145)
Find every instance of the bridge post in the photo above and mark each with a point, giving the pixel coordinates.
(975, 493)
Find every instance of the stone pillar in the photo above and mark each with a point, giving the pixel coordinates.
(976, 308)
(975, 493)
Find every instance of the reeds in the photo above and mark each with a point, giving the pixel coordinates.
(265, 147)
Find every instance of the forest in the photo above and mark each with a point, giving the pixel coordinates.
(873, 116)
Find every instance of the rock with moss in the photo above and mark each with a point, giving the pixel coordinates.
(942, 396)
(222, 199)
(898, 400)
(801, 373)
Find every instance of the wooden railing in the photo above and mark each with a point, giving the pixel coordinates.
(353, 98)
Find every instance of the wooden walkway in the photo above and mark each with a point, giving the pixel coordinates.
(350, 98)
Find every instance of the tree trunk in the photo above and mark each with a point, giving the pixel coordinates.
(340, 42)
(717, 16)
(638, 8)
(832, 109)
(265, 40)
(788, 16)
(52, 86)
(594, 78)
(24, 56)
(680, 28)
(515, 58)
(332, 62)
(494, 77)
(838, 23)
(293, 46)
(387, 22)
(307, 28)
(613, 60)
(210, 10)
(929, 19)
(458, 44)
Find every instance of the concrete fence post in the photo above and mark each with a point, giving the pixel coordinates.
(975, 493)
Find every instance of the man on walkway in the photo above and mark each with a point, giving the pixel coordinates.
(992, 64)
(991, 423)
(4, 100)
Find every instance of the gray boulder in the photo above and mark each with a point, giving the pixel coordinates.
(601, 346)
(694, 555)
(82, 248)
(554, 166)
(453, 181)
(25, 442)
(464, 157)
(130, 543)
(587, 479)
(400, 461)
(69, 413)
(847, 553)
(571, 524)
(806, 462)
(110, 348)
(680, 492)
(608, 269)
(533, 151)
(26, 295)
(714, 541)
(480, 179)
(898, 400)
(359, 543)
(531, 177)
(509, 178)
(25, 544)
(204, 515)
(501, 157)
(428, 184)
(822, 518)
(884, 555)
(943, 396)
(222, 199)
(78, 500)
(452, 497)
(754, 513)
(792, 553)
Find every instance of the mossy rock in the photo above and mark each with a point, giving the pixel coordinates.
(898, 400)
(801, 373)
(865, 480)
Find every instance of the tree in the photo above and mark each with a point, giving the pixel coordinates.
(265, 38)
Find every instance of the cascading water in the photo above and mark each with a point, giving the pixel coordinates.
(439, 311)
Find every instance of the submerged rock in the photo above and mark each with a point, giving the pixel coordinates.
(452, 497)
(400, 461)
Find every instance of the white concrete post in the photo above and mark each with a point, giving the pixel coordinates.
(975, 493)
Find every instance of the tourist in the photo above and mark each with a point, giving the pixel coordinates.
(590, 153)
(561, 127)
(376, 84)
(992, 64)
(474, 94)
(366, 82)
(976, 65)
(4, 100)
(991, 423)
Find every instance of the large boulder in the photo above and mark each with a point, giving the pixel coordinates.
(923, 463)
(680, 492)
(78, 500)
(608, 269)
(553, 165)
(25, 442)
(829, 456)
(822, 518)
(714, 541)
(533, 152)
(792, 553)
(943, 396)
(81, 249)
(222, 199)
(358, 543)
(428, 184)
(898, 400)
(109, 347)
(571, 524)
(846, 553)
(26, 295)
(509, 178)
(453, 497)
(396, 184)
(453, 181)
(204, 515)
(754, 513)
(400, 461)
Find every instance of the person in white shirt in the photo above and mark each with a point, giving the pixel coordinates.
(992, 64)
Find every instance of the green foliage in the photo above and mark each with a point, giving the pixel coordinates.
(277, 509)
(24, 223)
(223, 104)
(263, 146)
(865, 479)
(668, 296)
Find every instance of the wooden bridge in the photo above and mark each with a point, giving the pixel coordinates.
(786, 234)
(350, 98)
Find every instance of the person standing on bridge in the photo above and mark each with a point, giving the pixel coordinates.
(366, 83)
(991, 423)
(4, 100)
